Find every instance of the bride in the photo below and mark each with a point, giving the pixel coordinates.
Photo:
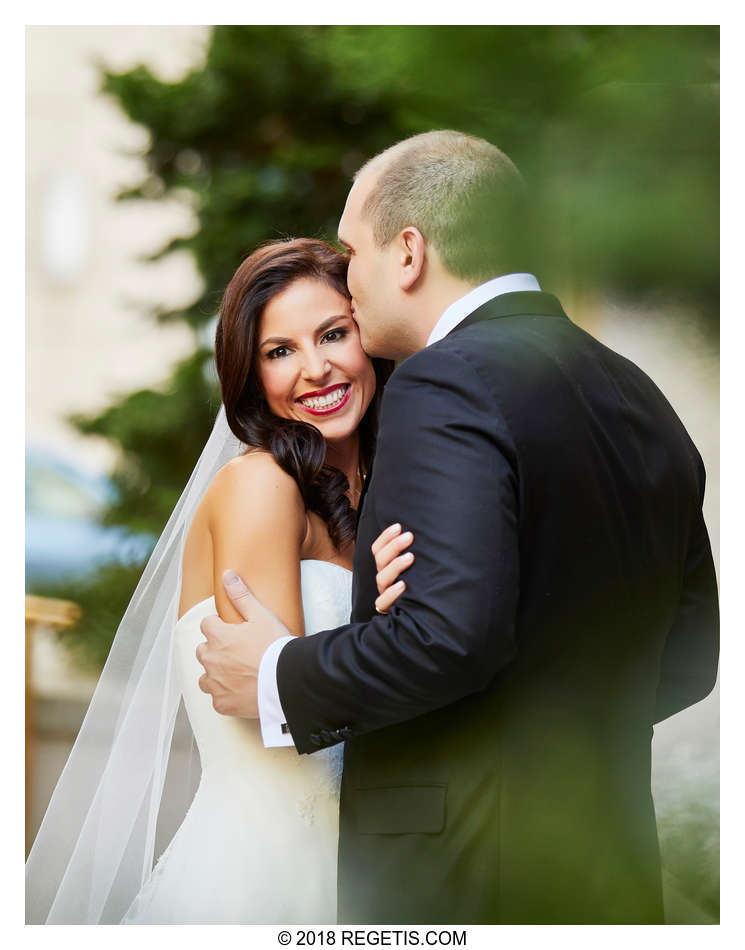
(274, 496)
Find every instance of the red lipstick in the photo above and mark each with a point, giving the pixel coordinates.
(322, 392)
(326, 410)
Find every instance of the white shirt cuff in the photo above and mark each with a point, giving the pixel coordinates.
(271, 716)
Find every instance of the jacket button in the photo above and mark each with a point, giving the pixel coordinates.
(315, 738)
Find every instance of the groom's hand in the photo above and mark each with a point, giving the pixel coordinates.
(233, 651)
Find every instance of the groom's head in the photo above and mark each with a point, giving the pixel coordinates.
(426, 220)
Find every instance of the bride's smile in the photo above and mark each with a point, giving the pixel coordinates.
(327, 400)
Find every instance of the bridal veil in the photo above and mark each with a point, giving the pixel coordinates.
(95, 847)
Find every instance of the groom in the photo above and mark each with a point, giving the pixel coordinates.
(498, 721)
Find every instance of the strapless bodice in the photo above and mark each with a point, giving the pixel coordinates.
(229, 743)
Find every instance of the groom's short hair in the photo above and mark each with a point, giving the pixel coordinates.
(465, 196)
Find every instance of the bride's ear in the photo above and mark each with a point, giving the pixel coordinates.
(411, 247)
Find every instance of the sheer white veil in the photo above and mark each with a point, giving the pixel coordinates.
(94, 849)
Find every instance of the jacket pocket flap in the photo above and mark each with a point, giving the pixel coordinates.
(400, 810)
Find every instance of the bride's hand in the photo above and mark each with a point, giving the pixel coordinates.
(390, 562)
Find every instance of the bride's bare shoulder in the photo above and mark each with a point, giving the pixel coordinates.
(254, 486)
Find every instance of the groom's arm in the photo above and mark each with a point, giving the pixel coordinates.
(688, 668)
(445, 469)
(272, 719)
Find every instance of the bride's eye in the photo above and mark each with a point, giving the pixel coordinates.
(278, 352)
(333, 336)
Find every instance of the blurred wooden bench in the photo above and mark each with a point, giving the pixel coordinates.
(40, 612)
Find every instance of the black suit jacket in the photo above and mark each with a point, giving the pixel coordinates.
(563, 599)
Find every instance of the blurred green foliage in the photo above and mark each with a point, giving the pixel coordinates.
(161, 434)
(615, 128)
(103, 596)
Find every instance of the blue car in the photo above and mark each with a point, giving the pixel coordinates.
(65, 540)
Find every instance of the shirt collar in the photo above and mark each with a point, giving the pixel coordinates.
(461, 308)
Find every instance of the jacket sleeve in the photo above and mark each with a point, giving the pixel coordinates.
(688, 669)
(444, 468)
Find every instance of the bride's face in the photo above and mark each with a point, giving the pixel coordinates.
(310, 360)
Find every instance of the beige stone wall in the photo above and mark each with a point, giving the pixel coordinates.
(88, 336)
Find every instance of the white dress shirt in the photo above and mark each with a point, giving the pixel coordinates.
(274, 731)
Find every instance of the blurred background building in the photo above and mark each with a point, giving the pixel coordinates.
(88, 335)
(88, 292)
(219, 138)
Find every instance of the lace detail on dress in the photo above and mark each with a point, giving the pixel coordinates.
(327, 786)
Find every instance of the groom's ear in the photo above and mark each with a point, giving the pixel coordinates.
(411, 249)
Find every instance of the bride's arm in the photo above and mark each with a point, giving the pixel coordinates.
(257, 523)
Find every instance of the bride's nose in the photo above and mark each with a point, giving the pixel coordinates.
(315, 365)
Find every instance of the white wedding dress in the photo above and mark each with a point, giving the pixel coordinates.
(259, 842)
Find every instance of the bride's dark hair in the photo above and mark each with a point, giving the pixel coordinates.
(298, 447)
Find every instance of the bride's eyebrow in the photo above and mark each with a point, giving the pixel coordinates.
(283, 340)
(331, 321)
(274, 341)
